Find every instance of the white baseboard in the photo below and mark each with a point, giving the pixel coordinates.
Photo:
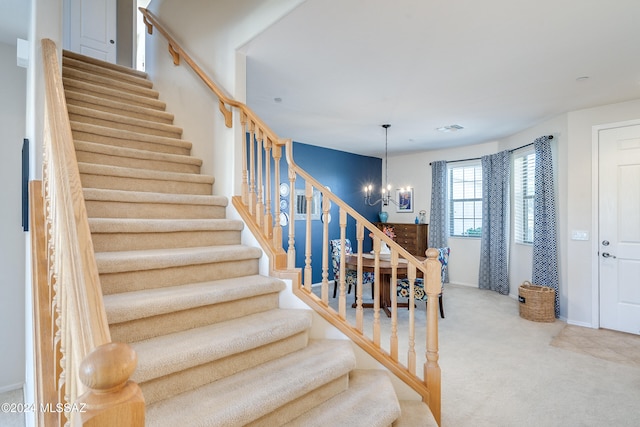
(469, 285)
(11, 387)
(583, 324)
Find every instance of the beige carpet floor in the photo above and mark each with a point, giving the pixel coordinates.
(501, 370)
(7, 417)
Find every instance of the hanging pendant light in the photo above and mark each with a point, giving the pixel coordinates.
(385, 191)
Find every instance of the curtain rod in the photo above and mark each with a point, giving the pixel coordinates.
(478, 158)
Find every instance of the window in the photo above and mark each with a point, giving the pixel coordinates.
(524, 183)
(465, 200)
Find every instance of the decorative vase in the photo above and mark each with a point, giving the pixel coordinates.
(423, 217)
(383, 216)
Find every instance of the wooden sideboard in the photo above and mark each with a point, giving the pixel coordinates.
(412, 237)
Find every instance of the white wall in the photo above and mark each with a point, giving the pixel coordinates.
(45, 22)
(464, 261)
(212, 32)
(582, 280)
(13, 83)
(574, 159)
(520, 262)
(413, 169)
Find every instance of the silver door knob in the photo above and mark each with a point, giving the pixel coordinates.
(608, 255)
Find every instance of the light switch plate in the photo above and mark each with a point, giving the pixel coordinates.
(579, 235)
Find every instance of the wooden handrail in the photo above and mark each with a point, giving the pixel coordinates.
(256, 207)
(178, 52)
(75, 316)
(42, 310)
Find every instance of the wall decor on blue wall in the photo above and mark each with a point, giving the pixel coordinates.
(345, 174)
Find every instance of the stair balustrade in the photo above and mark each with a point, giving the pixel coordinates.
(261, 212)
(81, 377)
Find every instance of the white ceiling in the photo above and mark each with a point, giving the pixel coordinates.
(344, 67)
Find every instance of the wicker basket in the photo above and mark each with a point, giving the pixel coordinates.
(537, 303)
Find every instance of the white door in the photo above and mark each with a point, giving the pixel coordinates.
(619, 228)
(92, 28)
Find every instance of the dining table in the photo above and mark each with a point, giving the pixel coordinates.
(386, 270)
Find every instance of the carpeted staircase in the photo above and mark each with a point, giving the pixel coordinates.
(213, 346)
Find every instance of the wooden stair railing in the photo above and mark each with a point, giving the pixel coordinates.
(258, 207)
(81, 377)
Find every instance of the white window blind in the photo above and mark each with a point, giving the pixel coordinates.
(465, 200)
(524, 183)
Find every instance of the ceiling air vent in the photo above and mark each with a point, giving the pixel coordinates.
(450, 128)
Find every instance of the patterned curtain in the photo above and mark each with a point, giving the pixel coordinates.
(438, 236)
(494, 255)
(545, 252)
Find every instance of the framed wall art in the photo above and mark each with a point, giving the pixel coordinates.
(404, 200)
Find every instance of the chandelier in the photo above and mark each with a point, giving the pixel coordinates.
(385, 192)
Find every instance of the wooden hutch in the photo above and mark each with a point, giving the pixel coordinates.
(412, 237)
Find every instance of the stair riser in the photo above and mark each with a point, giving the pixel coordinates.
(176, 349)
(190, 379)
(141, 113)
(109, 209)
(148, 279)
(114, 95)
(105, 72)
(127, 143)
(148, 185)
(110, 242)
(104, 65)
(370, 401)
(146, 328)
(147, 130)
(301, 405)
(109, 83)
(130, 162)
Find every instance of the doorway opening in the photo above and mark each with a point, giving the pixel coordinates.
(140, 35)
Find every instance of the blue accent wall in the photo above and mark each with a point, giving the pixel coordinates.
(346, 174)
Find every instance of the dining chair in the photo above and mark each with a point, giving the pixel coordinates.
(351, 276)
(418, 286)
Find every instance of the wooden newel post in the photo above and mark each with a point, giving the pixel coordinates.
(111, 399)
(433, 287)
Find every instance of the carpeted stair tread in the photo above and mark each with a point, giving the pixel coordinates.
(415, 413)
(112, 73)
(128, 136)
(111, 203)
(109, 82)
(107, 170)
(104, 64)
(116, 107)
(112, 234)
(144, 225)
(370, 401)
(113, 94)
(117, 262)
(108, 195)
(213, 347)
(112, 150)
(167, 354)
(120, 121)
(134, 305)
(249, 395)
